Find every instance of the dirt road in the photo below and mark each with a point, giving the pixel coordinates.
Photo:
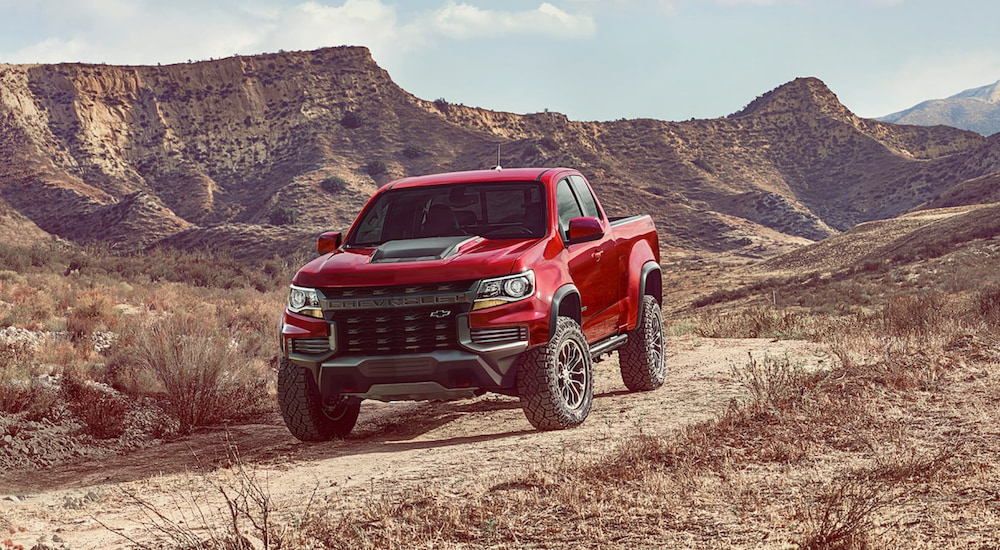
(395, 446)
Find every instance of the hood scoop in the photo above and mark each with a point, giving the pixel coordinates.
(412, 250)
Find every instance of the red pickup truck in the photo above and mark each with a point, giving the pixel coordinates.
(448, 286)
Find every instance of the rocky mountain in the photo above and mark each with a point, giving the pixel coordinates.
(977, 110)
(258, 154)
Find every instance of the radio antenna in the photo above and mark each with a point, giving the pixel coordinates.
(498, 168)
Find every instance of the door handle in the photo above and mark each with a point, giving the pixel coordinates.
(597, 255)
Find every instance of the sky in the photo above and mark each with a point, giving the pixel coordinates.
(589, 59)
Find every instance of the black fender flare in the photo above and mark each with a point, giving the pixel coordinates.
(651, 274)
(567, 293)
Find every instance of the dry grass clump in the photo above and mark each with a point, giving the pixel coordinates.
(987, 302)
(913, 315)
(94, 311)
(102, 410)
(753, 322)
(198, 369)
(242, 495)
(21, 393)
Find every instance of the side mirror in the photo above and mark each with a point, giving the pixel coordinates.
(582, 230)
(328, 242)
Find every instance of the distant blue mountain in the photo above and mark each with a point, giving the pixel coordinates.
(977, 110)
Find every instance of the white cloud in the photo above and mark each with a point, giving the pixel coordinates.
(356, 22)
(150, 31)
(464, 21)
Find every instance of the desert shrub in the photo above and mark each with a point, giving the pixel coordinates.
(21, 391)
(101, 409)
(202, 269)
(912, 315)
(15, 376)
(282, 215)
(252, 332)
(94, 311)
(334, 184)
(771, 383)
(198, 369)
(757, 322)
(412, 151)
(33, 308)
(9, 276)
(704, 165)
(352, 120)
(21, 259)
(441, 104)
(375, 167)
(550, 143)
(987, 302)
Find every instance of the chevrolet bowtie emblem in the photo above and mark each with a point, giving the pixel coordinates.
(440, 314)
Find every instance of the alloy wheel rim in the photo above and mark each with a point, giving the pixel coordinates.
(335, 409)
(572, 375)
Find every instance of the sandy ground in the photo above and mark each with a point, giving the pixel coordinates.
(395, 446)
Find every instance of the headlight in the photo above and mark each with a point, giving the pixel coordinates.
(504, 290)
(304, 301)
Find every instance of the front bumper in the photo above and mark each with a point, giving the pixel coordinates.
(484, 360)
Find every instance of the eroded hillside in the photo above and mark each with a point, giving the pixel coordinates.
(207, 153)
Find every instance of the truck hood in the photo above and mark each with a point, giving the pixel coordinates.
(414, 261)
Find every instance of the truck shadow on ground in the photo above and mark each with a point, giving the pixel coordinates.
(382, 428)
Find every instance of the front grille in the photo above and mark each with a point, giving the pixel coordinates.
(397, 331)
(398, 319)
(397, 290)
(310, 346)
(503, 335)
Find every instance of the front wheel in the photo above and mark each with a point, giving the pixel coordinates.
(555, 382)
(641, 358)
(309, 415)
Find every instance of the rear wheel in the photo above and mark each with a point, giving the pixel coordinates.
(555, 382)
(309, 415)
(641, 358)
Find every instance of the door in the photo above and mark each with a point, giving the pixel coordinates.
(592, 264)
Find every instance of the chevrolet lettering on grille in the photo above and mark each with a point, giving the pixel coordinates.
(395, 301)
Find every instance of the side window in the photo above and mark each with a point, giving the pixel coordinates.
(587, 200)
(567, 205)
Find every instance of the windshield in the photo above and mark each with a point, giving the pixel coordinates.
(492, 210)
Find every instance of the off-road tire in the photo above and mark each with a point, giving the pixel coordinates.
(303, 410)
(555, 382)
(642, 357)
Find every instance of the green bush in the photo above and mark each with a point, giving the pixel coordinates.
(375, 167)
(352, 120)
(282, 215)
(334, 184)
(413, 151)
(9, 276)
(441, 104)
(550, 143)
(704, 165)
